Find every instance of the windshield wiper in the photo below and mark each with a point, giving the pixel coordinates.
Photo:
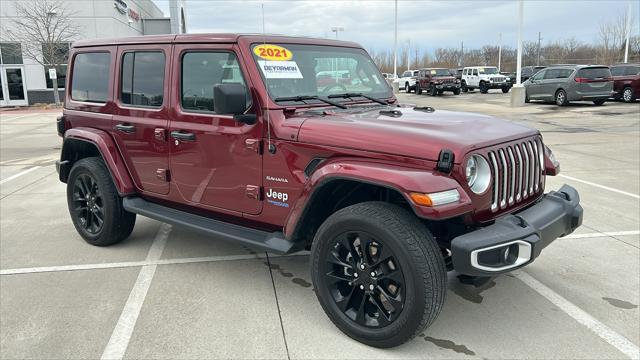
(309, 97)
(351, 95)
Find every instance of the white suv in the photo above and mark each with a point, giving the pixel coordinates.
(407, 80)
(484, 78)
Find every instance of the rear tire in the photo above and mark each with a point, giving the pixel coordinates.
(409, 273)
(94, 204)
(628, 95)
(561, 98)
(599, 102)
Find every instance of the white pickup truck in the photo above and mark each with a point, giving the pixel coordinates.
(407, 80)
(484, 78)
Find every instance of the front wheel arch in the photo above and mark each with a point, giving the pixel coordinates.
(349, 192)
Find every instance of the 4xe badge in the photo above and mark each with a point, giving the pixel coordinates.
(277, 198)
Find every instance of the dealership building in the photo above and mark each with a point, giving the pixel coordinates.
(26, 82)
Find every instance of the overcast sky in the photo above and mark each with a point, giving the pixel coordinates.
(427, 24)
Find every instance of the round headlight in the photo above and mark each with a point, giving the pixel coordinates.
(478, 174)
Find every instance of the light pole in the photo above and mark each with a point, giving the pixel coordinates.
(408, 55)
(518, 92)
(626, 46)
(395, 43)
(499, 50)
(336, 30)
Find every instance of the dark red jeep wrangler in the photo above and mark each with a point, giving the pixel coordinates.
(232, 136)
(436, 81)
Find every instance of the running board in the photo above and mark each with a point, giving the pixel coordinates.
(256, 239)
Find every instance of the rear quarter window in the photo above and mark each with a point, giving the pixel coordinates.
(90, 77)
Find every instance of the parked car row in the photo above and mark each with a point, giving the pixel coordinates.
(565, 83)
(561, 84)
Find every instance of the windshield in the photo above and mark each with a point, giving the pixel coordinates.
(293, 70)
(438, 72)
(488, 70)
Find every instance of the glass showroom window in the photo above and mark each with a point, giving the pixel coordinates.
(10, 53)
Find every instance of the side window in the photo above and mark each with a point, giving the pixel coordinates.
(90, 79)
(475, 72)
(632, 70)
(565, 73)
(552, 74)
(618, 70)
(201, 71)
(540, 74)
(143, 78)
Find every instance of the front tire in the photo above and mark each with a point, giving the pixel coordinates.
(378, 273)
(464, 87)
(599, 102)
(505, 90)
(418, 89)
(407, 88)
(94, 204)
(484, 88)
(456, 92)
(432, 90)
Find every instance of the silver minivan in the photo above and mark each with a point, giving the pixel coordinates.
(563, 84)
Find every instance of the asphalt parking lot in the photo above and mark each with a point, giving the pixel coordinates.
(168, 293)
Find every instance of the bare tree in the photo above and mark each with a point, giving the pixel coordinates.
(44, 28)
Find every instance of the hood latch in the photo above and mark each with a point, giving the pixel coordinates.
(445, 161)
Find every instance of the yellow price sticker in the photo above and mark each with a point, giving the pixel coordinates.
(272, 52)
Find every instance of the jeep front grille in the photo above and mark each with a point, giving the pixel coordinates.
(517, 172)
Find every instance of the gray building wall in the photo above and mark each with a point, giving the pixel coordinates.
(96, 19)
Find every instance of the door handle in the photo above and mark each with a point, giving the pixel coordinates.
(184, 136)
(128, 128)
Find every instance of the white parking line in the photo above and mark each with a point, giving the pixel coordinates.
(19, 174)
(119, 341)
(58, 268)
(602, 234)
(618, 341)
(600, 186)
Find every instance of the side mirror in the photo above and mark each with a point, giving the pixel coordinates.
(231, 99)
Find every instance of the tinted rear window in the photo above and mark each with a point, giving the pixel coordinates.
(90, 81)
(594, 73)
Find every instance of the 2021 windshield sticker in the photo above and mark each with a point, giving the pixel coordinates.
(280, 69)
(272, 52)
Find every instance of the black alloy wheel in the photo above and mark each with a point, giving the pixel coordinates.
(364, 279)
(88, 203)
(94, 204)
(378, 273)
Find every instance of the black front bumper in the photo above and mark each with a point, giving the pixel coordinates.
(491, 85)
(515, 240)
